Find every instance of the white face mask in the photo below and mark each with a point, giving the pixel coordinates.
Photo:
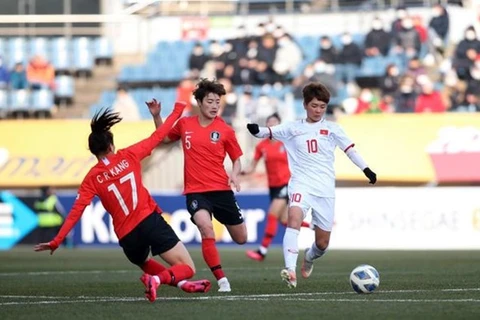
(401, 14)
(377, 25)
(475, 73)
(406, 89)
(346, 39)
(241, 33)
(198, 51)
(470, 35)
(407, 23)
(309, 72)
(320, 67)
(394, 72)
(326, 45)
(437, 13)
(366, 96)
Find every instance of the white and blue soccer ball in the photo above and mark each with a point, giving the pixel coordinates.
(364, 279)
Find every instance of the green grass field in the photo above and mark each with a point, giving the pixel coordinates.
(102, 284)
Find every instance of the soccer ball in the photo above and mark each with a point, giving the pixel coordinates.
(364, 279)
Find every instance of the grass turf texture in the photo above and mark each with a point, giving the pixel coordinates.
(102, 284)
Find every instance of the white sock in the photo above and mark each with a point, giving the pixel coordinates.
(262, 250)
(181, 283)
(314, 253)
(290, 248)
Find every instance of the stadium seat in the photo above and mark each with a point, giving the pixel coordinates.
(103, 49)
(19, 100)
(42, 100)
(61, 59)
(83, 60)
(17, 51)
(3, 103)
(39, 46)
(64, 87)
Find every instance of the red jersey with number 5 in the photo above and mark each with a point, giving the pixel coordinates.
(204, 151)
(117, 181)
(276, 163)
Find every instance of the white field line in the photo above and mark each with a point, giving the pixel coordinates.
(254, 297)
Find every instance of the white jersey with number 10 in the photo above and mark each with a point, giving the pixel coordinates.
(311, 154)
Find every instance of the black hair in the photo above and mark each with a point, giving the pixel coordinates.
(101, 137)
(205, 86)
(274, 115)
(315, 90)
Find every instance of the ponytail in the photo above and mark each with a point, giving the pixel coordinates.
(101, 138)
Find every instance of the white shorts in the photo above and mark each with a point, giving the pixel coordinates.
(323, 209)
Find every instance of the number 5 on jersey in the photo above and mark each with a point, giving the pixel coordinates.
(188, 144)
(118, 195)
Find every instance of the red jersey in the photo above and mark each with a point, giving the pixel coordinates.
(276, 163)
(204, 150)
(117, 181)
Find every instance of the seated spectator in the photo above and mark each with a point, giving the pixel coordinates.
(466, 53)
(288, 57)
(387, 104)
(453, 91)
(18, 77)
(406, 97)
(421, 29)
(439, 26)
(267, 50)
(4, 75)
(328, 52)
(429, 100)
(377, 41)
(400, 13)
(325, 73)
(390, 82)
(40, 73)
(126, 106)
(197, 59)
(471, 104)
(366, 102)
(417, 71)
(228, 106)
(350, 58)
(407, 39)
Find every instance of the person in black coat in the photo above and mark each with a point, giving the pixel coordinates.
(466, 53)
(328, 52)
(377, 41)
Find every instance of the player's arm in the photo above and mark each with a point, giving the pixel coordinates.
(234, 152)
(155, 108)
(343, 142)
(145, 147)
(256, 159)
(86, 192)
(280, 132)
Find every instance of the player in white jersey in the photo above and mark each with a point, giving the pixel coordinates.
(310, 144)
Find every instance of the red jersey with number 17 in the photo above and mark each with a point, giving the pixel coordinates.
(276, 162)
(204, 151)
(117, 181)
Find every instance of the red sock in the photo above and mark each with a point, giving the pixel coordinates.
(305, 224)
(153, 267)
(212, 258)
(175, 274)
(270, 230)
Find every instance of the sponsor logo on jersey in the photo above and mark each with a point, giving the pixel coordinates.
(214, 136)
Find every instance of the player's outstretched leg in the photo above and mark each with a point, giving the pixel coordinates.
(270, 232)
(316, 250)
(290, 254)
(171, 276)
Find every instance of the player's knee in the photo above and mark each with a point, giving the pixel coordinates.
(241, 239)
(322, 244)
(206, 231)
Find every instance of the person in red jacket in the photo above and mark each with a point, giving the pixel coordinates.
(137, 221)
(430, 100)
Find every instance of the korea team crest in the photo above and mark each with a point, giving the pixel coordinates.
(194, 205)
(214, 136)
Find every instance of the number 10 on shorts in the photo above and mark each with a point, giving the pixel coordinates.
(296, 197)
